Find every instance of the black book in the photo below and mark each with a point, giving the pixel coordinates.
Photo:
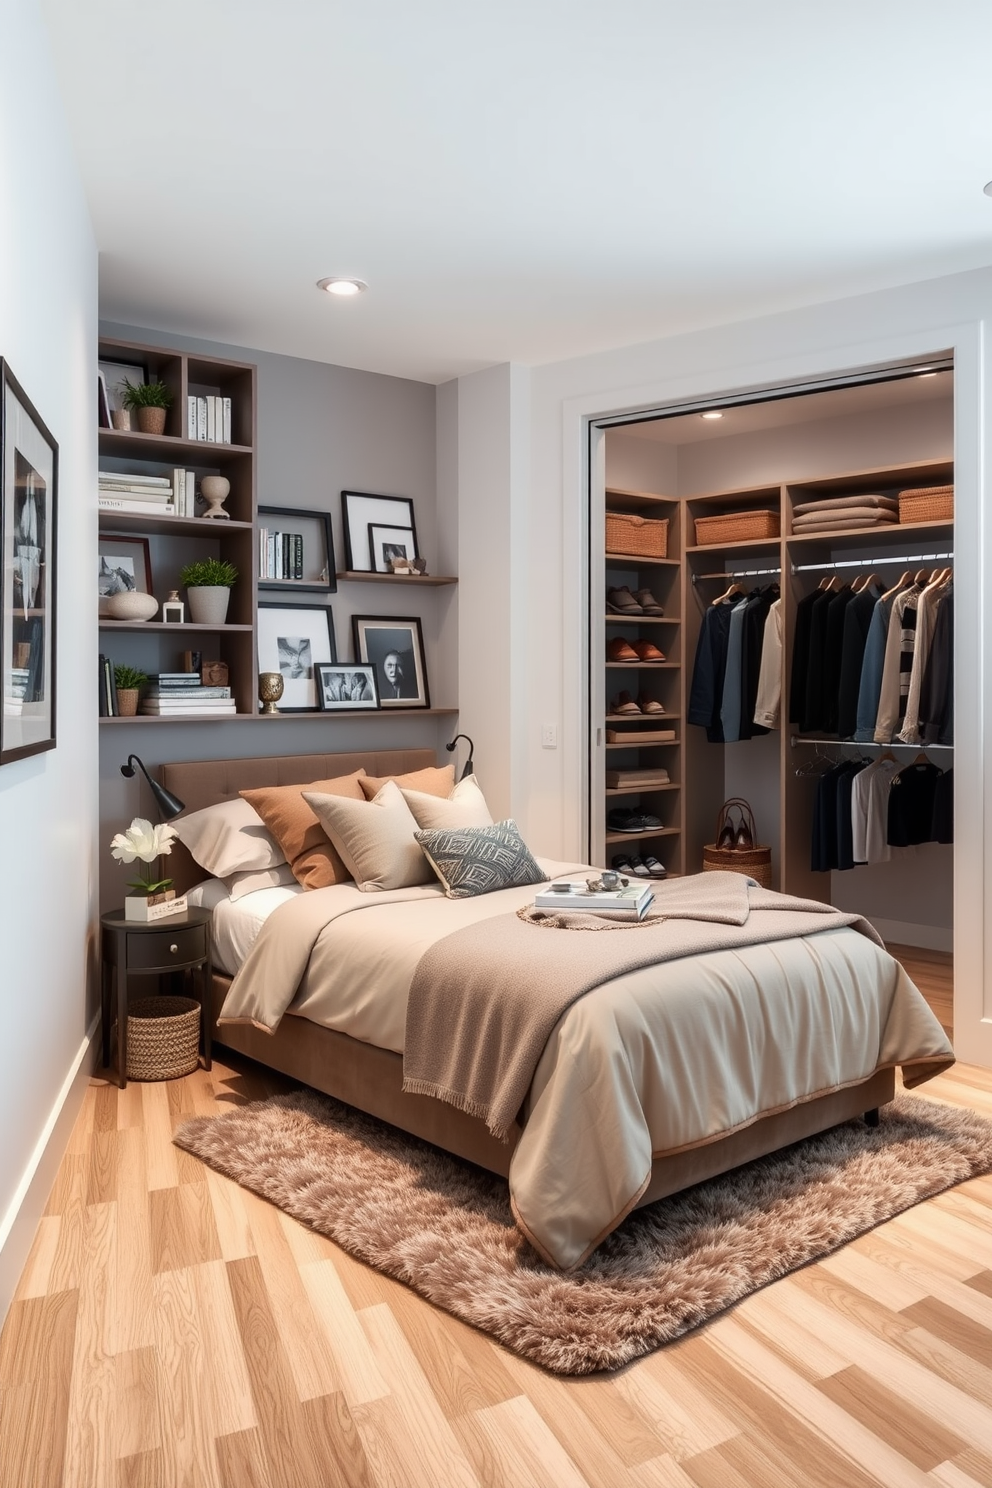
(103, 686)
(298, 555)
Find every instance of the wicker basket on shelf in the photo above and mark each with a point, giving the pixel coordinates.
(163, 1037)
(755, 861)
(927, 504)
(731, 527)
(641, 537)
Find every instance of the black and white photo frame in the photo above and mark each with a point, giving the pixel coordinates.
(123, 567)
(28, 512)
(294, 640)
(359, 511)
(350, 688)
(388, 543)
(395, 647)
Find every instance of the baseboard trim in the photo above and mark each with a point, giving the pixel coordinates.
(927, 937)
(19, 1223)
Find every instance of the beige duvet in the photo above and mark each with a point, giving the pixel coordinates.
(657, 1060)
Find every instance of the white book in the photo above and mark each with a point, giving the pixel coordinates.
(211, 418)
(136, 507)
(190, 416)
(632, 900)
(191, 493)
(131, 478)
(138, 493)
(177, 495)
(201, 418)
(226, 402)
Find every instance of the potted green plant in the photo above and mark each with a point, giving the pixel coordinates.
(150, 402)
(128, 681)
(147, 843)
(208, 583)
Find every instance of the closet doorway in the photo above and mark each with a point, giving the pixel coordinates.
(801, 529)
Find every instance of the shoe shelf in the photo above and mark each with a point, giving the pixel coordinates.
(641, 620)
(640, 666)
(642, 836)
(640, 717)
(659, 744)
(641, 790)
(638, 560)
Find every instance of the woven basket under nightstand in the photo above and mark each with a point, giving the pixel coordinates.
(163, 1037)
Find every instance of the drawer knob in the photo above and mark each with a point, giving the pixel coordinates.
(173, 949)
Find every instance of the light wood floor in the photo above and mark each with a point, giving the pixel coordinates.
(171, 1329)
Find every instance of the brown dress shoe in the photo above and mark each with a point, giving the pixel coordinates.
(620, 650)
(647, 651)
(622, 602)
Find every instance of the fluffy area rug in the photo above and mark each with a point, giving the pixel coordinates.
(444, 1226)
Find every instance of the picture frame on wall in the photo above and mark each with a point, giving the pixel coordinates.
(293, 640)
(388, 543)
(28, 564)
(114, 375)
(123, 566)
(360, 509)
(395, 647)
(347, 689)
(296, 550)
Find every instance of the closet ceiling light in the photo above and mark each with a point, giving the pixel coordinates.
(713, 414)
(344, 288)
(987, 188)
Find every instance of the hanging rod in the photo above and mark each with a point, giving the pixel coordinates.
(740, 573)
(869, 562)
(795, 739)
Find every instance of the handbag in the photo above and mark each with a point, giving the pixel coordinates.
(735, 847)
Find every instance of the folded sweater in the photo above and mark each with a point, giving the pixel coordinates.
(840, 503)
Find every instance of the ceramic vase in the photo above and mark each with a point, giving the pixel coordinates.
(151, 420)
(208, 603)
(215, 490)
(270, 690)
(127, 701)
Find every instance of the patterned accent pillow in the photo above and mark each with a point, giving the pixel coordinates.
(480, 860)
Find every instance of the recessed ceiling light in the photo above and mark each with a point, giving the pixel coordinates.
(714, 413)
(344, 288)
(987, 188)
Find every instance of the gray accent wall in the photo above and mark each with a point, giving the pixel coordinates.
(321, 430)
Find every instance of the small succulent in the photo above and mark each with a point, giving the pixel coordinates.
(127, 678)
(145, 394)
(209, 573)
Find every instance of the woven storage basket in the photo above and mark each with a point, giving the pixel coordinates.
(927, 504)
(756, 862)
(643, 537)
(163, 1037)
(737, 527)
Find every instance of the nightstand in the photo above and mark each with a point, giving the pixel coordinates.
(129, 948)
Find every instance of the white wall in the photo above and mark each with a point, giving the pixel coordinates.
(48, 844)
(913, 321)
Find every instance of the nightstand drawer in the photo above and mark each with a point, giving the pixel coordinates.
(164, 948)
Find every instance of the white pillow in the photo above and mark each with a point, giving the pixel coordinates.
(464, 807)
(241, 884)
(229, 838)
(375, 839)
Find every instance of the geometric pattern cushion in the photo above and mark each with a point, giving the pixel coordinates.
(479, 860)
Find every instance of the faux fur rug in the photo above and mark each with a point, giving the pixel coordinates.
(444, 1226)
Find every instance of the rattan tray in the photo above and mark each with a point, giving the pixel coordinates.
(927, 504)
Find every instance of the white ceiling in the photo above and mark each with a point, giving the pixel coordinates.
(524, 180)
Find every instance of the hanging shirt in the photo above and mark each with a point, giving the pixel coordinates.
(898, 664)
(857, 621)
(936, 719)
(942, 829)
(870, 683)
(859, 812)
(926, 617)
(877, 848)
(752, 650)
(911, 804)
(832, 649)
(800, 657)
(730, 708)
(768, 702)
(812, 719)
(845, 789)
(709, 669)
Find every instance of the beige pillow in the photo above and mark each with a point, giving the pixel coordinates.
(304, 842)
(375, 838)
(465, 807)
(436, 780)
(229, 838)
(240, 884)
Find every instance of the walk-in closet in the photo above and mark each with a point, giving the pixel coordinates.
(771, 618)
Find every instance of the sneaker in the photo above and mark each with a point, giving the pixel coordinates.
(625, 704)
(648, 603)
(622, 602)
(648, 705)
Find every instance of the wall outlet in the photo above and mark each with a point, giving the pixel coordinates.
(549, 736)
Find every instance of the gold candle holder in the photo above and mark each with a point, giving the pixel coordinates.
(270, 690)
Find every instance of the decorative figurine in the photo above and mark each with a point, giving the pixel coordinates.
(215, 490)
(173, 609)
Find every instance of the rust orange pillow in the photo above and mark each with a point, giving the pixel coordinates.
(314, 860)
(436, 780)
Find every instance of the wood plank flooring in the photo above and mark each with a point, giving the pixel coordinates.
(172, 1329)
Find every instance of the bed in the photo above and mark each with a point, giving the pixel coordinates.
(599, 1133)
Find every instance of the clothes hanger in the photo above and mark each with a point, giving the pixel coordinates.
(899, 584)
(735, 588)
(920, 576)
(867, 582)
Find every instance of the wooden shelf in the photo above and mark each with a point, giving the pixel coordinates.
(360, 576)
(641, 836)
(318, 713)
(636, 560)
(122, 443)
(642, 620)
(636, 498)
(654, 719)
(744, 545)
(639, 790)
(163, 526)
(652, 744)
(641, 666)
(866, 537)
(184, 629)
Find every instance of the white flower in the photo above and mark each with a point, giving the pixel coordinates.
(142, 840)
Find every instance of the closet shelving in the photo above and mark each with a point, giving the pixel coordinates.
(661, 681)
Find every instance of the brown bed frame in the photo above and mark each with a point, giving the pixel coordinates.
(372, 1078)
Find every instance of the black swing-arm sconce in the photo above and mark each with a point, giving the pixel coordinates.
(168, 804)
(470, 762)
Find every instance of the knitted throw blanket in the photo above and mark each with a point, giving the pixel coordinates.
(484, 1000)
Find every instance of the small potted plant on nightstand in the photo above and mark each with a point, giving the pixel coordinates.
(209, 583)
(128, 682)
(153, 898)
(150, 402)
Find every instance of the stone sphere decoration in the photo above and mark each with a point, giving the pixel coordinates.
(131, 605)
(215, 490)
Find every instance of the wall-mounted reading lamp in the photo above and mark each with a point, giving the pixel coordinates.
(168, 804)
(470, 762)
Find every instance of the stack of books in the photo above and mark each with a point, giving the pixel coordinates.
(280, 554)
(208, 418)
(632, 900)
(182, 694)
(148, 495)
(635, 780)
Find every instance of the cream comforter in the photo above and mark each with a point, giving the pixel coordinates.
(654, 1061)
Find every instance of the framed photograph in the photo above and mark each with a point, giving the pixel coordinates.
(293, 640)
(395, 647)
(28, 505)
(114, 374)
(358, 511)
(387, 543)
(344, 689)
(123, 565)
(295, 550)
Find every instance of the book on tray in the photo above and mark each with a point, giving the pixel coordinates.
(632, 899)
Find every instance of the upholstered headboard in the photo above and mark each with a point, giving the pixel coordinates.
(202, 783)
